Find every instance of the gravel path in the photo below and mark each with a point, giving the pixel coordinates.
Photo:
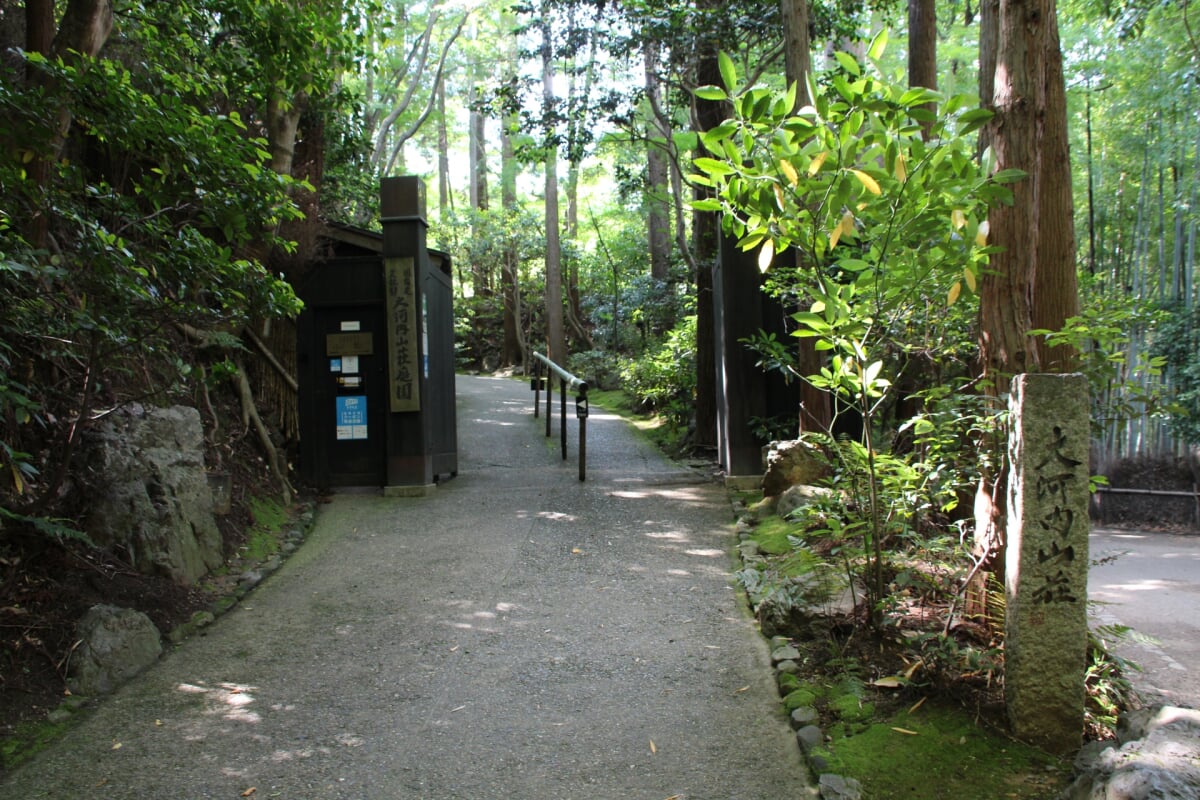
(517, 634)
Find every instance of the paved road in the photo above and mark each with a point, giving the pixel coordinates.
(518, 635)
(1152, 585)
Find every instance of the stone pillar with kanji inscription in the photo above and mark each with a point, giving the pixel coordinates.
(1047, 560)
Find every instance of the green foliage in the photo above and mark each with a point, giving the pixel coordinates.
(663, 379)
(880, 206)
(156, 219)
(1177, 346)
(600, 368)
(1109, 690)
(1124, 379)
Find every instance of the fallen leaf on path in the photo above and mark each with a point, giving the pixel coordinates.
(249, 791)
(576, 550)
(890, 682)
(653, 749)
(116, 746)
(906, 731)
(743, 689)
(919, 703)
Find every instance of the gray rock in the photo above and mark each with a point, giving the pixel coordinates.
(803, 717)
(154, 504)
(1158, 759)
(115, 644)
(58, 715)
(748, 548)
(787, 666)
(785, 653)
(809, 737)
(791, 463)
(249, 579)
(811, 606)
(835, 787)
(800, 496)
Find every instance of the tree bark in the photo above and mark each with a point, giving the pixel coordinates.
(513, 351)
(706, 114)
(1031, 281)
(922, 50)
(1055, 289)
(443, 139)
(796, 48)
(39, 31)
(82, 33)
(816, 406)
(658, 210)
(556, 340)
(1006, 287)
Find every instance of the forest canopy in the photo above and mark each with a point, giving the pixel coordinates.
(168, 168)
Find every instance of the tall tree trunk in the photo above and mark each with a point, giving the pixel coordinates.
(658, 216)
(1006, 287)
(1030, 282)
(443, 161)
(706, 227)
(82, 33)
(796, 47)
(479, 168)
(922, 50)
(1055, 290)
(481, 271)
(816, 406)
(39, 31)
(513, 350)
(556, 339)
(989, 43)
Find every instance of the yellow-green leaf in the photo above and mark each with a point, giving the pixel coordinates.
(789, 172)
(766, 256)
(901, 169)
(847, 224)
(955, 291)
(969, 277)
(958, 219)
(835, 235)
(815, 166)
(981, 235)
(867, 181)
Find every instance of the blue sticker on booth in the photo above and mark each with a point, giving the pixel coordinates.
(352, 417)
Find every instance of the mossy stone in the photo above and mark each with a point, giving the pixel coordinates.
(798, 698)
(787, 682)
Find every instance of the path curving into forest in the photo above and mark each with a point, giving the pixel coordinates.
(517, 634)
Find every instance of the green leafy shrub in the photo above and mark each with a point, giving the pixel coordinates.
(600, 368)
(663, 379)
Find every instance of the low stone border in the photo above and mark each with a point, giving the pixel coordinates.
(238, 587)
(809, 736)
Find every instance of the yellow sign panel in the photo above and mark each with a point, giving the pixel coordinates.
(348, 344)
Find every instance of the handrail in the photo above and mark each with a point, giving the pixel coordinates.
(565, 380)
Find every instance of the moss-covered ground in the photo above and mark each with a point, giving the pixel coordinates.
(938, 752)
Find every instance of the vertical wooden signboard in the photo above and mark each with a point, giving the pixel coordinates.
(403, 354)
